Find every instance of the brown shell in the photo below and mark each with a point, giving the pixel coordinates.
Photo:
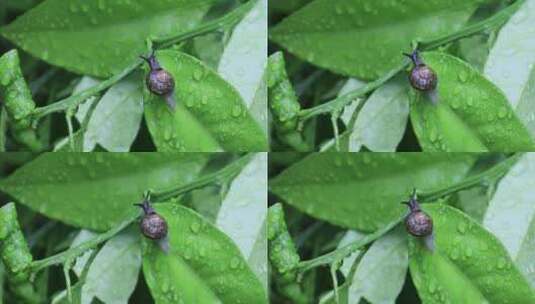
(154, 226)
(160, 82)
(419, 224)
(423, 78)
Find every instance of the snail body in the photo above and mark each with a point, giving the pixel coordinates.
(418, 223)
(421, 76)
(159, 81)
(153, 225)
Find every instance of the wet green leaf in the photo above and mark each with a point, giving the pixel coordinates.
(100, 37)
(363, 191)
(114, 272)
(203, 265)
(115, 121)
(243, 212)
(471, 113)
(210, 114)
(365, 38)
(468, 265)
(96, 190)
(511, 214)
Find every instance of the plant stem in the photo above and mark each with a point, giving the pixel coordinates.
(343, 252)
(226, 21)
(487, 176)
(73, 101)
(492, 22)
(339, 102)
(219, 177)
(225, 174)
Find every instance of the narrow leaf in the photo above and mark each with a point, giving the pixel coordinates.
(364, 191)
(97, 37)
(365, 38)
(96, 190)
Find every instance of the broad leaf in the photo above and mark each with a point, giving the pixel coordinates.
(468, 265)
(244, 60)
(113, 274)
(364, 191)
(210, 115)
(381, 273)
(96, 191)
(471, 113)
(382, 270)
(99, 37)
(526, 104)
(381, 122)
(244, 209)
(365, 38)
(511, 214)
(203, 265)
(512, 58)
(117, 117)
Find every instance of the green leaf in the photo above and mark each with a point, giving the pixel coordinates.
(210, 114)
(381, 272)
(365, 38)
(511, 214)
(202, 266)
(243, 212)
(96, 191)
(114, 272)
(364, 191)
(117, 116)
(512, 58)
(471, 113)
(468, 265)
(98, 37)
(381, 122)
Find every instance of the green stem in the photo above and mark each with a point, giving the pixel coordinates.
(339, 102)
(490, 23)
(219, 177)
(225, 21)
(487, 176)
(225, 174)
(73, 101)
(345, 251)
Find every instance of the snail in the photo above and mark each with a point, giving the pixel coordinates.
(421, 76)
(160, 81)
(417, 223)
(153, 225)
